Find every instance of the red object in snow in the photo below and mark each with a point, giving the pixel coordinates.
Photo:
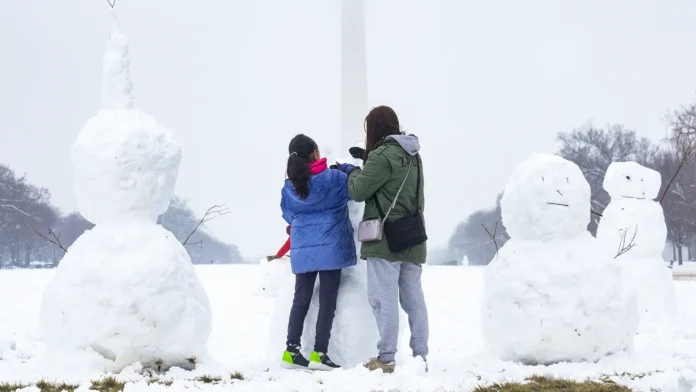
(286, 246)
(284, 249)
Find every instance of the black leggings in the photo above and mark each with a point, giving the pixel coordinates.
(328, 293)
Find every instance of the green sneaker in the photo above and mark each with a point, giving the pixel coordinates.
(294, 360)
(321, 361)
(375, 364)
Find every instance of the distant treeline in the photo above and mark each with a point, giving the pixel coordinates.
(33, 230)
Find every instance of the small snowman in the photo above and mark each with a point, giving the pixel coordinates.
(633, 227)
(127, 288)
(273, 275)
(551, 295)
(354, 334)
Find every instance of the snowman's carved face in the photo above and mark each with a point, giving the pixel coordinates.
(546, 197)
(630, 180)
(125, 168)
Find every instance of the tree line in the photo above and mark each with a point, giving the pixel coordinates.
(34, 232)
(593, 150)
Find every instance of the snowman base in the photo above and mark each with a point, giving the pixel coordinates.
(653, 283)
(554, 302)
(130, 293)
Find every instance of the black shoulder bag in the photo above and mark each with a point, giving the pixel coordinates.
(409, 231)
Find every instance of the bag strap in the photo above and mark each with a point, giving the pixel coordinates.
(396, 198)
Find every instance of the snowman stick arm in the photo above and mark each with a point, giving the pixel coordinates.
(492, 235)
(55, 240)
(211, 213)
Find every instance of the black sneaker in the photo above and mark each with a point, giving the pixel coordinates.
(321, 361)
(293, 359)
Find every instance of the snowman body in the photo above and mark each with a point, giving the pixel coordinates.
(272, 276)
(127, 288)
(551, 295)
(633, 227)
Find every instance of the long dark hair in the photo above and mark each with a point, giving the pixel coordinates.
(301, 150)
(379, 123)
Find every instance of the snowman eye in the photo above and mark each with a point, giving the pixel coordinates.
(628, 178)
(542, 179)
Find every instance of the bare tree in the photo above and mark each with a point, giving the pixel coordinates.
(683, 140)
(594, 149)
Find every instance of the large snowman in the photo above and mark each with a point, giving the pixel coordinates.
(127, 288)
(633, 227)
(354, 334)
(551, 294)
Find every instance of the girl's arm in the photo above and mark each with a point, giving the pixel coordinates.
(363, 183)
(284, 249)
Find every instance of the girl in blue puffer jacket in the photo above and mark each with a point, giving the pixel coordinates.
(314, 203)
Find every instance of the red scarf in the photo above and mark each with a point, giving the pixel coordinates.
(317, 167)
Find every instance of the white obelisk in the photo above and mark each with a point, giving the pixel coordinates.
(354, 104)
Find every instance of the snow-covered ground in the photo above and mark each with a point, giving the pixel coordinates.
(664, 358)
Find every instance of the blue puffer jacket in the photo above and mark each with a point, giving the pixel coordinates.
(321, 237)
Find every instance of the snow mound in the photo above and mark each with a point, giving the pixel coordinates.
(552, 294)
(272, 277)
(633, 229)
(130, 293)
(547, 197)
(632, 180)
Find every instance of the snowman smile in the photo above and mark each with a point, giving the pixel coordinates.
(557, 204)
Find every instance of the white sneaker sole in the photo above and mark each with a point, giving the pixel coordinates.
(292, 366)
(320, 366)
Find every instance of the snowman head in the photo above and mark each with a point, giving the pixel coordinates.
(546, 198)
(630, 180)
(125, 167)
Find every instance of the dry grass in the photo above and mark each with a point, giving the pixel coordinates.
(543, 384)
(46, 386)
(237, 376)
(108, 384)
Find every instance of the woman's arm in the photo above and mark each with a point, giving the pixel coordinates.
(363, 183)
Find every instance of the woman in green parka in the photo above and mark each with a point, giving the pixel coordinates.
(392, 162)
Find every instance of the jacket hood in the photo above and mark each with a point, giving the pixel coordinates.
(407, 142)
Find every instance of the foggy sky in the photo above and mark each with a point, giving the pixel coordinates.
(483, 84)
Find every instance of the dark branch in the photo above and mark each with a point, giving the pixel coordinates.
(211, 213)
(112, 3)
(55, 239)
(492, 235)
(596, 213)
(626, 245)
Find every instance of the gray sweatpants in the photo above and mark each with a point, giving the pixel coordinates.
(389, 282)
